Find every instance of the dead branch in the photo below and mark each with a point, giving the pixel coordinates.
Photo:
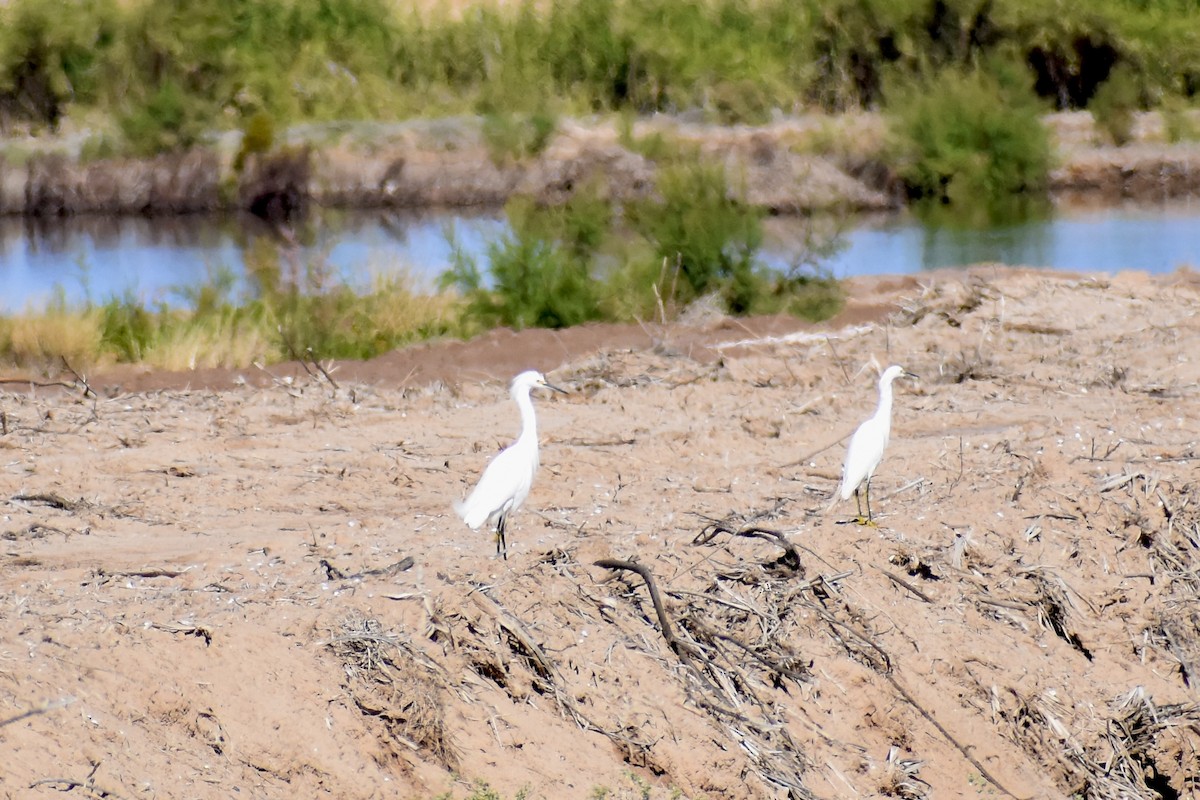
(664, 622)
(45, 708)
(188, 630)
(542, 664)
(150, 572)
(53, 500)
(896, 579)
(79, 379)
(34, 530)
(334, 574)
(67, 784)
(791, 555)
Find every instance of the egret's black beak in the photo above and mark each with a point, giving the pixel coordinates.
(555, 388)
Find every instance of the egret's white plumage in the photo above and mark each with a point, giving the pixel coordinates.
(508, 478)
(868, 443)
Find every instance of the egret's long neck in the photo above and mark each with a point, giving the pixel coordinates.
(528, 420)
(885, 401)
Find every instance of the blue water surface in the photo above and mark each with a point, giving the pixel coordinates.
(97, 258)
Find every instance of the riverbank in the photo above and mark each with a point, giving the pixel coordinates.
(798, 165)
(1022, 622)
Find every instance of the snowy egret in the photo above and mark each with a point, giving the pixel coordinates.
(868, 443)
(506, 481)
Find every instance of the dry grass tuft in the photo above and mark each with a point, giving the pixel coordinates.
(38, 341)
(392, 682)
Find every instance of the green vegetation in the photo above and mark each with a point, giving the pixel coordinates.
(970, 139)
(164, 73)
(961, 82)
(315, 317)
(512, 138)
(559, 266)
(1114, 104)
(556, 268)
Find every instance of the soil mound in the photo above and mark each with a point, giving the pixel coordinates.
(260, 589)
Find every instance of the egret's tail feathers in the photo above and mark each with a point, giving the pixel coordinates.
(474, 517)
(464, 512)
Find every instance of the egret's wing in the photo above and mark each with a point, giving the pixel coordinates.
(495, 491)
(862, 456)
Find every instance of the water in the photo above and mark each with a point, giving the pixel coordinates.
(156, 259)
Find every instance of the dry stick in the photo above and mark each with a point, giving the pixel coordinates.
(287, 341)
(188, 630)
(685, 652)
(38, 384)
(966, 752)
(324, 371)
(752, 532)
(42, 709)
(334, 574)
(786, 672)
(664, 622)
(896, 579)
(87, 389)
(818, 451)
(149, 572)
(838, 358)
(53, 500)
(70, 783)
(509, 622)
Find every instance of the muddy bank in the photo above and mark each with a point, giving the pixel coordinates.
(262, 591)
(798, 165)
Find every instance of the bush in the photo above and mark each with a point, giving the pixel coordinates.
(512, 138)
(1181, 123)
(712, 236)
(51, 56)
(168, 122)
(964, 138)
(538, 279)
(1114, 104)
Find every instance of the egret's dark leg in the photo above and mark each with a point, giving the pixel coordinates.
(867, 493)
(860, 494)
(501, 543)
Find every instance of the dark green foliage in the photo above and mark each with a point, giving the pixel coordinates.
(50, 56)
(514, 138)
(168, 122)
(1114, 104)
(127, 328)
(966, 138)
(712, 236)
(257, 137)
(565, 265)
(215, 64)
(539, 273)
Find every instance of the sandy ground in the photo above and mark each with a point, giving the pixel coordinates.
(254, 586)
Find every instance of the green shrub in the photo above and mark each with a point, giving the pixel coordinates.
(711, 235)
(169, 121)
(127, 328)
(537, 279)
(968, 138)
(258, 136)
(51, 56)
(1181, 122)
(1114, 104)
(512, 138)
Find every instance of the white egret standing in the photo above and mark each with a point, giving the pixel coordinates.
(868, 443)
(508, 478)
